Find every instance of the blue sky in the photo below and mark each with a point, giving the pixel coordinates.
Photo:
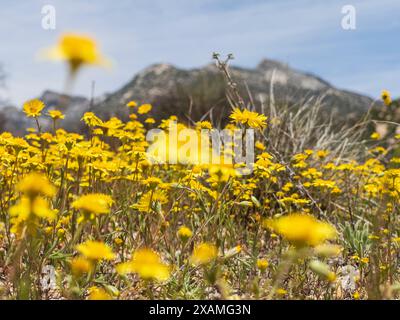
(306, 34)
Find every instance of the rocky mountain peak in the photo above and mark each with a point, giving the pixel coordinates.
(158, 68)
(194, 93)
(178, 91)
(267, 64)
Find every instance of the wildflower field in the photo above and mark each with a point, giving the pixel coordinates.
(98, 216)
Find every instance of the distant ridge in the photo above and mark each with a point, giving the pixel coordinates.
(192, 93)
(172, 90)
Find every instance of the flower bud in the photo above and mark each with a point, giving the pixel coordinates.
(322, 270)
(327, 250)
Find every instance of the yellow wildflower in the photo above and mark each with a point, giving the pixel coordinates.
(147, 264)
(385, 95)
(118, 241)
(203, 253)
(302, 229)
(56, 114)
(35, 184)
(95, 250)
(375, 136)
(80, 266)
(96, 293)
(262, 264)
(27, 210)
(259, 145)
(33, 108)
(281, 292)
(203, 125)
(184, 233)
(77, 50)
(148, 201)
(322, 154)
(365, 260)
(93, 204)
(131, 104)
(91, 119)
(144, 108)
(251, 118)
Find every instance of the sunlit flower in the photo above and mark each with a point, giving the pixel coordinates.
(131, 104)
(322, 270)
(262, 264)
(375, 136)
(144, 108)
(203, 253)
(327, 250)
(259, 145)
(91, 119)
(149, 201)
(96, 293)
(93, 204)
(233, 252)
(222, 172)
(56, 114)
(37, 207)
(184, 233)
(77, 50)
(251, 118)
(35, 184)
(147, 264)
(321, 154)
(356, 295)
(302, 229)
(203, 125)
(80, 266)
(385, 95)
(95, 250)
(33, 108)
(28, 211)
(118, 241)
(281, 292)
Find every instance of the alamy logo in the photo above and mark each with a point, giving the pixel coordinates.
(349, 18)
(49, 17)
